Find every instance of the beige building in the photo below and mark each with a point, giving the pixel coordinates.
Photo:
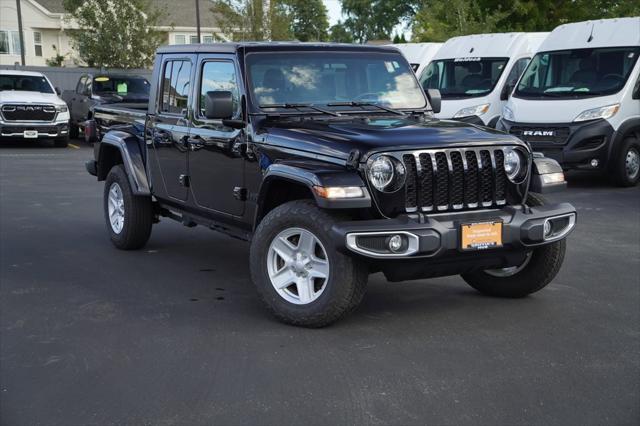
(44, 23)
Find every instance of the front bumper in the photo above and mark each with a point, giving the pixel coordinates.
(573, 145)
(433, 245)
(45, 130)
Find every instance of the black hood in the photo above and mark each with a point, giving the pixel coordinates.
(338, 137)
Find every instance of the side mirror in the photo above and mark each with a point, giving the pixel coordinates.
(58, 91)
(506, 92)
(435, 99)
(218, 105)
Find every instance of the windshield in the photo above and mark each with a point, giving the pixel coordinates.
(120, 85)
(577, 73)
(25, 83)
(463, 77)
(322, 78)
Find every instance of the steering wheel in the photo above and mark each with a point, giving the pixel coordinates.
(613, 77)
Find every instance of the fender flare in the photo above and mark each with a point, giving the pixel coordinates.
(129, 147)
(632, 125)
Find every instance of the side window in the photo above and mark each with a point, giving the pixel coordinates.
(636, 90)
(517, 70)
(217, 76)
(88, 85)
(175, 86)
(81, 84)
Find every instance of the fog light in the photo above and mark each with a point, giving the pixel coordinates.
(548, 229)
(395, 243)
(594, 162)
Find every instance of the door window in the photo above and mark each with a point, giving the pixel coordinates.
(219, 76)
(517, 70)
(81, 83)
(175, 86)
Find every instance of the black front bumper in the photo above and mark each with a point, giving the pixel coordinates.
(435, 247)
(573, 145)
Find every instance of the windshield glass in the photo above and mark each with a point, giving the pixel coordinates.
(577, 73)
(25, 83)
(322, 78)
(120, 85)
(463, 77)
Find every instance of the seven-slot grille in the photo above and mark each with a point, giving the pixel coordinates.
(455, 179)
(28, 112)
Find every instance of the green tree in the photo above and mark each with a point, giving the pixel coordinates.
(375, 19)
(309, 19)
(255, 20)
(115, 33)
(338, 33)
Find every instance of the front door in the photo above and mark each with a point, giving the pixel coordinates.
(169, 128)
(216, 165)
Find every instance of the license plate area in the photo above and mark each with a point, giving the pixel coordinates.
(30, 134)
(480, 235)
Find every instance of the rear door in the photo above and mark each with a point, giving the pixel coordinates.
(77, 100)
(216, 162)
(169, 127)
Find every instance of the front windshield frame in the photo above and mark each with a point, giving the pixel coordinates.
(584, 92)
(42, 80)
(143, 81)
(396, 56)
(503, 61)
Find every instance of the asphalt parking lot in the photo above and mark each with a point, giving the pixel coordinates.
(175, 335)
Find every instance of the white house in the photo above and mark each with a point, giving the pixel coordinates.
(44, 23)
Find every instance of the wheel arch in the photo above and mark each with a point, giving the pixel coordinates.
(119, 147)
(628, 127)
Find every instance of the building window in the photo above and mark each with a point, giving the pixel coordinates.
(179, 39)
(207, 39)
(9, 43)
(193, 39)
(37, 42)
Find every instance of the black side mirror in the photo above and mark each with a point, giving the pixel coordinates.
(435, 99)
(58, 91)
(218, 105)
(506, 92)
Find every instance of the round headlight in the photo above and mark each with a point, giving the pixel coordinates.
(512, 164)
(381, 172)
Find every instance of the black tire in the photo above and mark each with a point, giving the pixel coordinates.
(542, 267)
(618, 171)
(138, 213)
(347, 279)
(74, 131)
(62, 142)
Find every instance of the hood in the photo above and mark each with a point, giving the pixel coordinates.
(338, 137)
(555, 110)
(17, 96)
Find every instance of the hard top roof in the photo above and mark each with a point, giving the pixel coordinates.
(20, 72)
(496, 45)
(268, 46)
(618, 32)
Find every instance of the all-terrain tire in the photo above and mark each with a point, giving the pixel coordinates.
(619, 171)
(348, 276)
(540, 269)
(138, 212)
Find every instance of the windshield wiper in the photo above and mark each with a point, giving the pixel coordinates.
(363, 104)
(300, 106)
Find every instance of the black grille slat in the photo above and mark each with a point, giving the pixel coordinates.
(426, 182)
(456, 190)
(442, 181)
(486, 177)
(28, 112)
(471, 179)
(501, 176)
(410, 188)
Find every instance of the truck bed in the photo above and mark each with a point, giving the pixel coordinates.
(120, 116)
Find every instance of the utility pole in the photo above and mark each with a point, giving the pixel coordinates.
(21, 33)
(198, 19)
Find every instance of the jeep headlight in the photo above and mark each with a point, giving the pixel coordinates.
(386, 173)
(514, 165)
(477, 110)
(596, 113)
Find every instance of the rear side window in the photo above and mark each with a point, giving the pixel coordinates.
(175, 86)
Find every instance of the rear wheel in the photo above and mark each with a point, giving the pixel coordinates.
(625, 168)
(300, 278)
(538, 268)
(128, 217)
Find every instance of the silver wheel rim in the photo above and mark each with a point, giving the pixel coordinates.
(632, 163)
(511, 270)
(115, 207)
(298, 266)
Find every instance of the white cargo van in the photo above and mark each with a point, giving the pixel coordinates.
(475, 73)
(419, 55)
(579, 99)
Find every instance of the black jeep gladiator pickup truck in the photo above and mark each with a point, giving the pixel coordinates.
(328, 159)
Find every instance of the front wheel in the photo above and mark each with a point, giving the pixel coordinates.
(129, 217)
(626, 164)
(300, 278)
(538, 268)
